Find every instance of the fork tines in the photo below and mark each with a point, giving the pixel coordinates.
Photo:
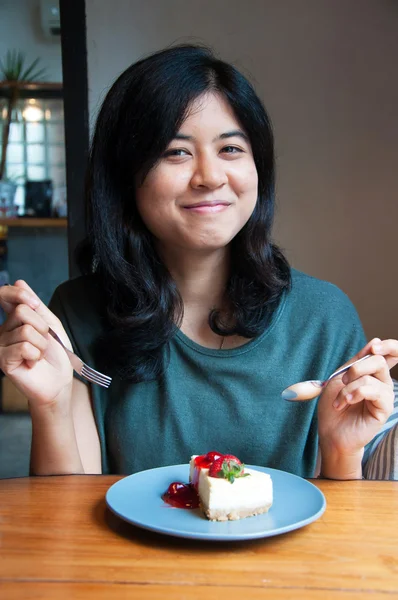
(95, 376)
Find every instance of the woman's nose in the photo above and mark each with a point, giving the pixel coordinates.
(208, 173)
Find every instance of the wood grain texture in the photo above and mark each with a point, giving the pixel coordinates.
(57, 530)
(107, 591)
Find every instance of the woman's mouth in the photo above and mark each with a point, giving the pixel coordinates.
(207, 207)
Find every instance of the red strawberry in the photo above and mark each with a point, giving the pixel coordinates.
(205, 460)
(215, 469)
(227, 468)
(212, 456)
(232, 457)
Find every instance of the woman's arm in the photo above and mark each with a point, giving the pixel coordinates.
(87, 437)
(353, 408)
(64, 438)
(64, 435)
(342, 466)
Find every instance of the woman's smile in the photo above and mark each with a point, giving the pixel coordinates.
(207, 208)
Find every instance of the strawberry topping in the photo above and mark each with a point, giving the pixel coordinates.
(232, 457)
(215, 469)
(205, 460)
(226, 466)
(212, 456)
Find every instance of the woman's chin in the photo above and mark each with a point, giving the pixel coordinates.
(210, 241)
(210, 244)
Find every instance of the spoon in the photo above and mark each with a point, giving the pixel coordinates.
(307, 390)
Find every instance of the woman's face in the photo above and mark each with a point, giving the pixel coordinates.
(204, 188)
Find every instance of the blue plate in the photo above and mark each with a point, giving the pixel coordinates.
(137, 499)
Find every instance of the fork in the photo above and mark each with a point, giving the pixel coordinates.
(80, 367)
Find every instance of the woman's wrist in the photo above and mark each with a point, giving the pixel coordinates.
(339, 465)
(59, 407)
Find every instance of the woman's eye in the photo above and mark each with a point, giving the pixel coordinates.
(231, 149)
(176, 152)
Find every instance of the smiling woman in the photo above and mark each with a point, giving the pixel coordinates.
(186, 301)
(202, 192)
(186, 162)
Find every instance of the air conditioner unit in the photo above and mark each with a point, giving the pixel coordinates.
(50, 19)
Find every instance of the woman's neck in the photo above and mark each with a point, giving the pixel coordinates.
(201, 280)
(200, 277)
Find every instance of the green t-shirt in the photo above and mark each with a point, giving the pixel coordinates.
(224, 400)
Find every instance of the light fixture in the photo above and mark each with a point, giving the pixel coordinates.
(32, 113)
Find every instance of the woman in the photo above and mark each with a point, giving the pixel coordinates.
(187, 303)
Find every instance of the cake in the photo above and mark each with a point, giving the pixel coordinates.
(228, 490)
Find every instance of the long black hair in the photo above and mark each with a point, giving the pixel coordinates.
(140, 115)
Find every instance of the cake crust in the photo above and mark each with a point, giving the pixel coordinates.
(234, 515)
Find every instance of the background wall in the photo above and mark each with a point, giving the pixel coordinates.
(327, 72)
(20, 29)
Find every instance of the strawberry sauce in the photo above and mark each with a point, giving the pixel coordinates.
(181, 495)
(185, 495)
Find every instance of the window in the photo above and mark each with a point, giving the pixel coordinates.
(36, 149)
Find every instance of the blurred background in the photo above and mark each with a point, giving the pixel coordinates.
(33, 203)
(327, 73)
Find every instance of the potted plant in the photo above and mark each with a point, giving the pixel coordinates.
(14, 73)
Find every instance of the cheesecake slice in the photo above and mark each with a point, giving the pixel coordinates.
(227, 490)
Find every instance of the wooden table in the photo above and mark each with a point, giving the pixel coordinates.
(58, 540)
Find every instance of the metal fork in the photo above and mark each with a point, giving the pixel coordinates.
(81, 368)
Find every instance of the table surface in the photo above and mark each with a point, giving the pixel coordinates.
(59, 540)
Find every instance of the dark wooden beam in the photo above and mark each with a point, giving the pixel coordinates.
(75, 86)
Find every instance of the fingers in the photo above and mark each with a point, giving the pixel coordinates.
(14, 355)
(368, 380)
(374, 365)
(24, 314)
(41, 309)
(379, 397)
(23, 343)
(25, 333)
(387, 348)
(11, 296)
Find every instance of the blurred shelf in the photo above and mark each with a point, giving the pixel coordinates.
(32, 222)
(31, 85)
(27, 89)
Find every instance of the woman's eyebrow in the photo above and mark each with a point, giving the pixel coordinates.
(234, 133)
(222, 136)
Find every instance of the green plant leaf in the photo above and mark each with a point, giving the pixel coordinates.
(14, 68)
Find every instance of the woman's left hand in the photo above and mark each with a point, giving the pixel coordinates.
(354, 406)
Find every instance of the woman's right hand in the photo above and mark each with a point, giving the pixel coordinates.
(29, 356)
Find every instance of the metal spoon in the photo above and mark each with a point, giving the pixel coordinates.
(307, 390)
